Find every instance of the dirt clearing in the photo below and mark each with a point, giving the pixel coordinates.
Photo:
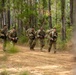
(36, 62)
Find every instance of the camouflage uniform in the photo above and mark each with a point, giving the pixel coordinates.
(52, 40)
(13, 36)
(3, 35)
(32, 38)
(47, 34)
(41, 36)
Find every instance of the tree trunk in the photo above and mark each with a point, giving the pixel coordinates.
(74, 14)
(21, 22)
(3, 5)
(35, 10)
(8, 14)
(63, 20)
(50, 18)
(56, 12)
(30, 19)
(71, 12)
(74, 32)
(8, 19)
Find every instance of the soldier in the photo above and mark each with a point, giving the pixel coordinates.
(47, 34)
(41, 36)
(3, 35)
(32, 38)
(13, 36)
(52, 39)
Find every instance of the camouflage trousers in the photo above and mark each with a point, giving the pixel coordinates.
(42, 43)
(4, 44)
(32, 43)
(52, 43)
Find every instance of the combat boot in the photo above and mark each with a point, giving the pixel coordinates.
(54, 52)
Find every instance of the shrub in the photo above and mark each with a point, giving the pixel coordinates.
(23, 39)
(62, 44)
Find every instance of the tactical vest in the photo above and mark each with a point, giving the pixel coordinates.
(53, 36)
(42, 34)
(32, 35)
(13, 34)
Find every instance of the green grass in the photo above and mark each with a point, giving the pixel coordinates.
(12, 49)
(4, 73)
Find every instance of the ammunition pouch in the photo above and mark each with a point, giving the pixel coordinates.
(15, 40)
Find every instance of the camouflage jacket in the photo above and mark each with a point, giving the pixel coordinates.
(12, 34)
(41, 34)
(53, 36)
(31, 34)
(3, 33)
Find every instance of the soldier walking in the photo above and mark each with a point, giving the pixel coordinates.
(52, 39)
(41, 36)
(32, 38)
(13, 36)
(3, 35)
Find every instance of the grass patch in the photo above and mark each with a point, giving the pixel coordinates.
(4, 73)
(12, 49)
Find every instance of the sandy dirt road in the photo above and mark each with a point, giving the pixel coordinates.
(37, 62)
